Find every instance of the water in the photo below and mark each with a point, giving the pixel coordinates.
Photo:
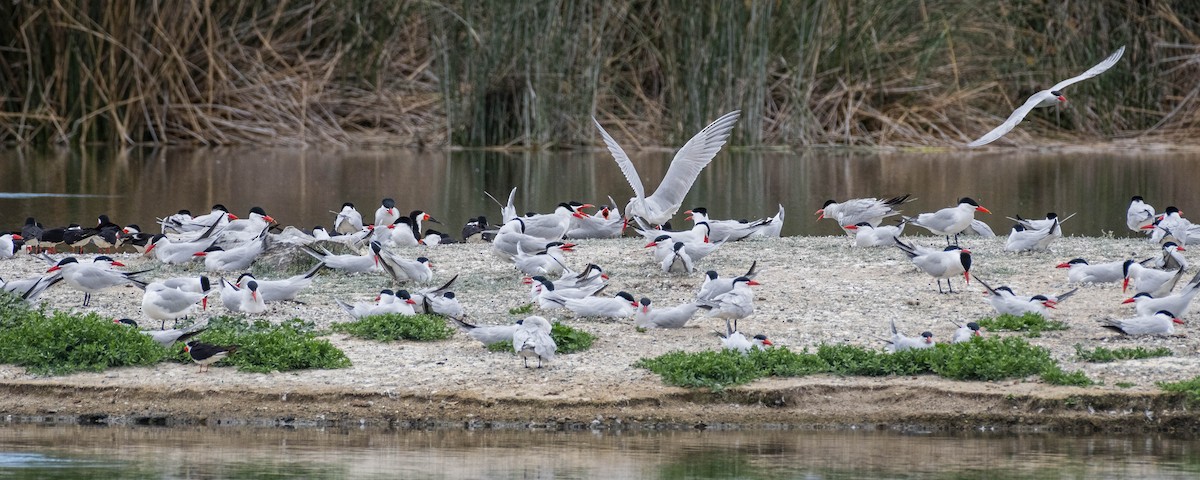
(300, 187)
(119, 453)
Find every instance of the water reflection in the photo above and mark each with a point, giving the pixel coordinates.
(300, 187)
(69, 452)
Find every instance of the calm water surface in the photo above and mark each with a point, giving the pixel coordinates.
(119, 453)
(300, 187)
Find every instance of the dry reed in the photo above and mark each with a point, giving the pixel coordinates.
(531, 73)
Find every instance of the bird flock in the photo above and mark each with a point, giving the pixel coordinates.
(398, 247)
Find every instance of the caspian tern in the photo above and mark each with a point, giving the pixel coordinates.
(1080, 271)
(679, 260)
(1158, 283)
(735, 304)
(1046, 98)
(591, 276)
(507, 211)
(386, 214)
(30, 288)
(551, 226)
(1146, 304)
(348, 220)
(949, 221)
(724, 230)
(866, 235)
(90, 279)
(607, 222)
(674, 317)
(242, 300)
(1172, 258)
(1029, 239)
(166, 338)
(185, 223)
(8, 248)
(1006, 303)
(254, 223)
(171, 252)
(488, 334)
(620, 306)
(446, 305)
(549, 261)
(1160, 323)
(714, 285)
(387, 302)
(664, 249)
(659, 207)
(163, 303)
(900, 342)
(965, 333)
(940, 264)
(1172, 223)
(217, 259)
(206, 354)
(771, 227)
(532, 339)
(549, 297)
(736, 341)
(857, 210)
(367, 262)
(403, 270)
(285, 289)
(1139, 214)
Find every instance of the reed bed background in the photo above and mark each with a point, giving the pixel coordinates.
(531, 73)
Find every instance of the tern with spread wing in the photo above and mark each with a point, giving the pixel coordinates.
(1046, 98)
(659, 207)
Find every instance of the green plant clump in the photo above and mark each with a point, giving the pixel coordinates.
(567, 339)
(979, 359)
(1105, 355)
(391, 327)
(1191, 388)
(1030, 322)
(1056, 376)
(60, 343)
(266, 347)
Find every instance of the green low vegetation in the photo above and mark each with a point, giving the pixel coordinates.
(1032, 323)
(60, 343)
(1105, 355)
(1191, 388)
(265, 347)
(979, 359)
(392, 327)
(566, 338)
(521, 310)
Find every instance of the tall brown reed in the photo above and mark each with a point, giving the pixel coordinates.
(531, 73)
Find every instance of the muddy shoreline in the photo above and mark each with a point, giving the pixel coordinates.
(819, 403)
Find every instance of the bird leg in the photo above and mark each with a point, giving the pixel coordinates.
(526, 359)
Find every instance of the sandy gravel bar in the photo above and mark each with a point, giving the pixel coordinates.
(814, 290)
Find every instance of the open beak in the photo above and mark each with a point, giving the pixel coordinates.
(820, 213)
